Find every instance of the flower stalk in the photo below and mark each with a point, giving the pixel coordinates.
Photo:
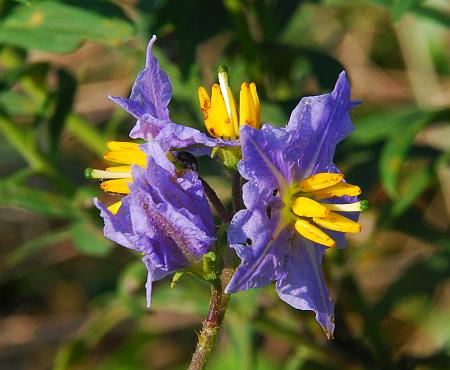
(207, 337)
(237, 192)
(216, 202)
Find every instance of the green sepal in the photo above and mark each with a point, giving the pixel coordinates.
(176, 278)
(214, 151)
(230, 156)
(364, 205)
(209, 266)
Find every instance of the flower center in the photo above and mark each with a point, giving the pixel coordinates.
(310, 211)
(116, 179)
(219, 112)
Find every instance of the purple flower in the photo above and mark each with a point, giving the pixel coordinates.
(148, 103)
(165, 216)
(295, 200)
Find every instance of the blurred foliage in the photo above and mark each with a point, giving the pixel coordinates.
(65, 307)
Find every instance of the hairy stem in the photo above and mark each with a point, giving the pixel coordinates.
(216, 202)
(211, 326)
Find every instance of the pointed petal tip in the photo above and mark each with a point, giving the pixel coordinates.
(228, 290)
(342, 82)
(232, 286)
(355, 103)
(117, 99)
(327, 324)
(342, 90)
(150, 55)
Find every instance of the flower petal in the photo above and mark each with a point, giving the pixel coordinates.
(321, 122)
(183, 192)
(262, 244)
(166, 216)
(303, 285)
(148, 103)
(149, 97)
(191, 139)
(264, 158)
(118, 227)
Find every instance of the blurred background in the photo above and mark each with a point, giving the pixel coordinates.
(70, 299)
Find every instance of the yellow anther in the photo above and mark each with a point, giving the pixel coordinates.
(121, 145)
(220, 113)
(127, 156)
(247, 113)
(234, 116)
(336, 222)
(338, 190)
(114, 208)
(119, 169)
(222, 123)
(228, 98)
(320, 181)
(313, 233)
(205, 106)
(256, 103)
(309, 208)
(119, 186)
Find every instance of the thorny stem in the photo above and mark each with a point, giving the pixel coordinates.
(218, 303)
(211, 326)
(215, 201)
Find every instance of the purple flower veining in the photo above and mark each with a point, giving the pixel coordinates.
(165, 216)
(148, 103)
(295, 199)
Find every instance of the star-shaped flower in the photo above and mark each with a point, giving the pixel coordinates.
(165, 215)
(150, 97)
(297, 203)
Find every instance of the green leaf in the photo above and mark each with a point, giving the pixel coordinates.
(64, 94)
(15, 103)
(399, 7)
(412, 185)
(34, 245)
(433, 14)
(34, 200)
(397, 146)
(375, 127)
(57, 27)
(86, 133)
(211, 20)
(23, 142)
(89, 239)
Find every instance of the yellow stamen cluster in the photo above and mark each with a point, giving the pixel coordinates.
(309, 211)
(116, 179)
(219, 112)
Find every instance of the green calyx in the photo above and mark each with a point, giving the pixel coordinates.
(230, 156)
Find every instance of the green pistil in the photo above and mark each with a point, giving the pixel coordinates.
(88, 173)
(222, 69)
(364, 205)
